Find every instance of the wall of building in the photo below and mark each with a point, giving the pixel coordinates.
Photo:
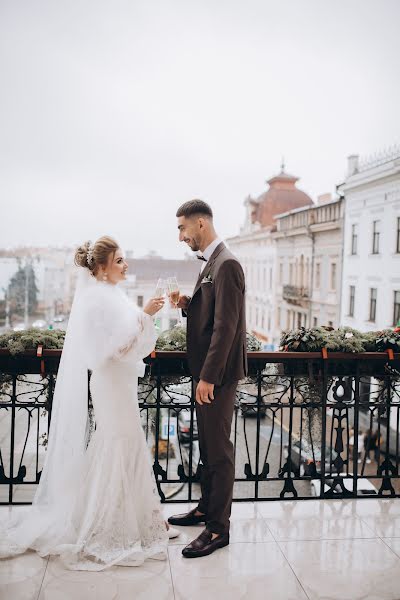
(371, 194)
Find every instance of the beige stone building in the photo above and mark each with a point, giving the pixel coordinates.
(309, 244)
(256, 248)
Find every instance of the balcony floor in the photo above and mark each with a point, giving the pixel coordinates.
(330, 549)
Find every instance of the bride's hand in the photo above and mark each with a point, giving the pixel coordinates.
(153, 306)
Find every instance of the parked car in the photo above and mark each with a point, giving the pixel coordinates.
(364, 486)
(303, 458)
(184, 427)
(59, 319)
(19, 327)
(39, 324)
(249, 407)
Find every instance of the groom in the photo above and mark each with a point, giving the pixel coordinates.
(216, 351)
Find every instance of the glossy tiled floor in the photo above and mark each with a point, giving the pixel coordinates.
(347, 550)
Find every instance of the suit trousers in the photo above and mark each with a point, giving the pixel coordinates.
(214, 423)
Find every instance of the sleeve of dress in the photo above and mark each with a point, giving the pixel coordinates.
(143, 343)
(116, 330)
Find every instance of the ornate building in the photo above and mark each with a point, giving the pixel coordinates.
(371, 255)
(256, 249)
(309, 245)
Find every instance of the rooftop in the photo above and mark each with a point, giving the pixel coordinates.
(281, 197)
(150, 269)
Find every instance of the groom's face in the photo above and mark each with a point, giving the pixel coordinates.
(190, 231)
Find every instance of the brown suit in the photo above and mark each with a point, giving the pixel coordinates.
(216, 351)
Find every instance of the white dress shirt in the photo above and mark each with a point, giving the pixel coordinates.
(208, 252)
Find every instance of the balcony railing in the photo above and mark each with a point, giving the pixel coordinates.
(291, 429)
(295, 294)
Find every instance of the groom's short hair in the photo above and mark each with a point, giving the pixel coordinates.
(195, 207)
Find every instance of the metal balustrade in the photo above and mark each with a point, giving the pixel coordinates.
(291, 429)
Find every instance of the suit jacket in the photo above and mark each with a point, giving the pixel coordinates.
(216, 321)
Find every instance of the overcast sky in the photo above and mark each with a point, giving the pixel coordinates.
(114, 113)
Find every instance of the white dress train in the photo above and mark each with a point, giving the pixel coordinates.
(110, 514)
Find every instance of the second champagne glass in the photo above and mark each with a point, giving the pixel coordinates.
(173, 289)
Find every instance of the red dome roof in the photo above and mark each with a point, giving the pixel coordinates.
(282, 196)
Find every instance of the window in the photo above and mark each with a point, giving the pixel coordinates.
(278, 318)
(140, 301)
(351, 301)
(290, 274)
(396, 309)
(372, 304)
(315, 322)
(333, 276)
(270, 278)
(317, 275)
(330, 323)
(172, 323)
(375, 236)
(281, 273)
(398, 236)
(288, 319)
(298, 320)
(354, 238)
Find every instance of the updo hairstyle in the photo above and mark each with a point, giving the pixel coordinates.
(92, 256)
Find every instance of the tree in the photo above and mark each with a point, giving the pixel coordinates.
(17, 290)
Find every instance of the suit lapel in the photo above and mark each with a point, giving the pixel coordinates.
(206, 271)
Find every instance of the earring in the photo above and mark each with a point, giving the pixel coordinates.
(105, 277)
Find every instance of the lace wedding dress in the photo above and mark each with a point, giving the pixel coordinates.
(97, 506)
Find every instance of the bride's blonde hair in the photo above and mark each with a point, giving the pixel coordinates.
(92, 256)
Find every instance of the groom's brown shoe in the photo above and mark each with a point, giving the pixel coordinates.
(204, 544)
(189, 518)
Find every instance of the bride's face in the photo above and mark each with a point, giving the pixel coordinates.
(116, 267)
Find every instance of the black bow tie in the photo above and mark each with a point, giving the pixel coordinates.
(201, 258)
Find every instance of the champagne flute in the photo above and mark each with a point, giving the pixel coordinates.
(160, 289)
(173, 288)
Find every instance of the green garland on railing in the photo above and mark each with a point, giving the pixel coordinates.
(344, 339)
(175, 339)
(19, 341)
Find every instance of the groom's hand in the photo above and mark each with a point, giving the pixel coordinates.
(183, 302)
(204, 392)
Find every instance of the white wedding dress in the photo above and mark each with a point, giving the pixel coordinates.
(96, 507)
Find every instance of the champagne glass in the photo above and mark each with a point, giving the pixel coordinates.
(161, 289)
(173, 289)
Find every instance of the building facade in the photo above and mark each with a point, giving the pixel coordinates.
(309, 244)
(370, 297)
(255, 247)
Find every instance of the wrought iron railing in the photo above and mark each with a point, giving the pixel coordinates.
(291, 429)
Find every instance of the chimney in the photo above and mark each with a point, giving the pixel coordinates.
(352, 164)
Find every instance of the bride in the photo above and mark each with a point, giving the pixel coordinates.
(96, 504)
